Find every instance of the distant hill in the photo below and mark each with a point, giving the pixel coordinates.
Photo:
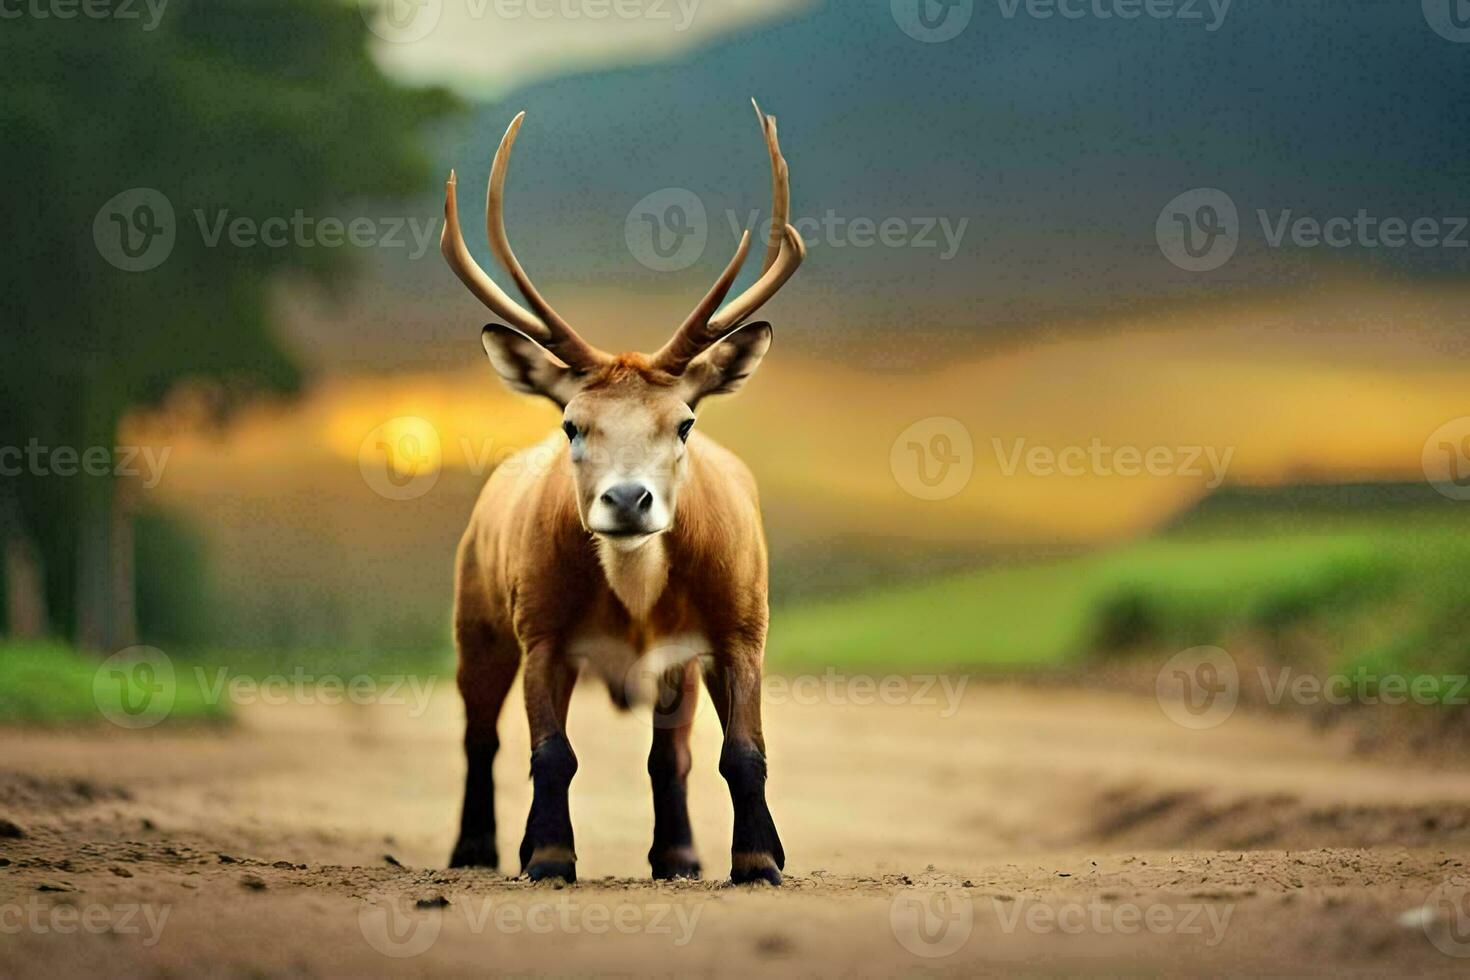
(1313, 501)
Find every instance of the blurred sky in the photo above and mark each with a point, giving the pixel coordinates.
(1054, 316)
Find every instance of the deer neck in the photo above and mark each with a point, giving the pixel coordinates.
(637, 576)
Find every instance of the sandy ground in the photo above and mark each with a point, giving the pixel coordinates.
(1025, 831)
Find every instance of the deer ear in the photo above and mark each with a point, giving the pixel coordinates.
(526, 367)
(723, 369)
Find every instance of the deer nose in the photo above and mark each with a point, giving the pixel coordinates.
(628, 500)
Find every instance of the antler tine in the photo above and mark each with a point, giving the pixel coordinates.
(788, 259)
(561, 340)
(780, 187)
(451, 244)
(704, 326)
(690, 338)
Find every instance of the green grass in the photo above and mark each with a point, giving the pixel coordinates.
(51, 684)
(1387, 587)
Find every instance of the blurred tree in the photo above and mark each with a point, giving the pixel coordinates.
(221, 109)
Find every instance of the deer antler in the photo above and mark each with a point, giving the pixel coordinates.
(784, 253)
(544, 326)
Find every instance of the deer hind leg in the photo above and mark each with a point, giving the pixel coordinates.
(734, 682)
(487, 667)
(672, 854)
(547, 850)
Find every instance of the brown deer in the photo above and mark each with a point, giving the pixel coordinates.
(626, 543)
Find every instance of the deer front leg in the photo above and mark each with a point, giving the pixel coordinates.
(734, 682)
(672, 854)
(547, 850)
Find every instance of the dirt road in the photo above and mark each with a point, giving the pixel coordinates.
(1023, 831)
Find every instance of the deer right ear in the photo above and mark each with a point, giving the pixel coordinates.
(525, 366)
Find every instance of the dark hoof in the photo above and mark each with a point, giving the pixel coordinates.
(676, 861)
(542, 870)
(666, 870)
(475, 852)
(749, 876)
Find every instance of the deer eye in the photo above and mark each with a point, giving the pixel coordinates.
(570, 430)
(684, 428)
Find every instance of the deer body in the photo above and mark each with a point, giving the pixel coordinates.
(627, 544)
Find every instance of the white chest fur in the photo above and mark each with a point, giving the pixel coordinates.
(636, 575)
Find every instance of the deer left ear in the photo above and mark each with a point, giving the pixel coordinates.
(525, 366)
(723, 369)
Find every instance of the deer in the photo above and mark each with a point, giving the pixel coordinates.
(627, 544)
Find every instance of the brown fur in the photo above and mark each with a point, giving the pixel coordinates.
(529, 582)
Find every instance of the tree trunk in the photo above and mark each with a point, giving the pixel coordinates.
(123, 619)
(94, 577)
(25, 588)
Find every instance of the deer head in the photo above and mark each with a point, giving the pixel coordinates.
(627, 417)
